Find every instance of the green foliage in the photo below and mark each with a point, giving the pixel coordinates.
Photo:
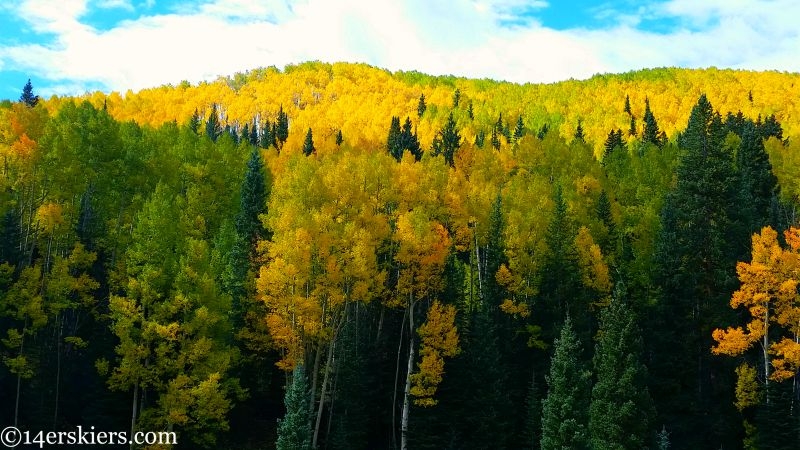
(621, 409)
(421, 106)
(565, 409)
(308, 144)
(294, 431)
(28, 98)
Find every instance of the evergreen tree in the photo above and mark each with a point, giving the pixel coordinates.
(519, 129)
(650, 133)
(393, 140)
(604, 214)
(339, 138)
(448, 141)
(495, 139)
(564, 410)
(456, 98)
(771, 128)
(308, 144)
(213, 127)
(194, 122)
(613, 141)
(253, 137)
(421, 106)
(543, 131)
(267, 137)
(627, 108)
(408, 140)
(632, 128)
(294, 430)
(10, 239)
(281, 132)
(758, 185)
(28, 97)
(579, 132)
(470, 111)
(480, 138)
(621, 409)
(696, 253)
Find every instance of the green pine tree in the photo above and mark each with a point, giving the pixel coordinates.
(421, 106)
(294, 430)
(565, 409)
(579, 132)
(213, 127)
(28, 97)
(393, 143)
(308, 144)
(519, 129)
(621, 409)
(281, 128)
(339, 138)
(650, 133)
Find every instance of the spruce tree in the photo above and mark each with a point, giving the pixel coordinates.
(10, 238)
(470, 111)
(627, 108)
(294, 430)
(409, 141)
(621, 409)
(696, 252)
(565, 409)
(495, 139)
(456, 98)
(281, 132)
(267, 137)
(449, 140)
(632, 128)
(308, 144)
(480, 139)
(519, 129)
(650, 133)
(339, 138)
(613, 141)
(393, 140)
(253, 137)
(213, 127)
(758, 184)
(421, 106)
(194, 122)
(579, 132)
(28, 97)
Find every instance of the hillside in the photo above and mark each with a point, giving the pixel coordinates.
(337, 256)
(360, 99)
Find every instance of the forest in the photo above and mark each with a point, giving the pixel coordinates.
(337, 256)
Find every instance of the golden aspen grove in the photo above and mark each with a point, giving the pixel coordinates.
(339, 256)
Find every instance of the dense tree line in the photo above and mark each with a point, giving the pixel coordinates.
(248, 284)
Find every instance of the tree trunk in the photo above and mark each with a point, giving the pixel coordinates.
(407, 390)
(135, 409)
(321, 406)
(396, 377)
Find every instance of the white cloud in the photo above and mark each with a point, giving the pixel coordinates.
(436, 36)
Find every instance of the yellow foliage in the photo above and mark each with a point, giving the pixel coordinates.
(747, 389)
(515, 309)
(50, 217)
(439, 338)
(594, 270)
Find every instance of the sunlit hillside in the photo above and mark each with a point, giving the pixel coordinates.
(360, 100)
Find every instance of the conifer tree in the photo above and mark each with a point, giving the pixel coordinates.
(421, 106)
(650, 133)
(194, 122)
(213, 127)
(632, 128)
(519, 129)
(456, 98)
(281, 130)
(28, 97)
(470, 111)
(621, 409)
(579, 132)
(393, 140)
(448, 141)
(613, 141)
(267, 137)
(627, 108)
(339, 138)
(408, 140)
(480, 139)
(294, 430)
(495, 139)
(565, 409)
(758, 184)
(308, 144)
(253, 137)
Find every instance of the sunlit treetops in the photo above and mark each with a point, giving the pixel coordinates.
(359, 100)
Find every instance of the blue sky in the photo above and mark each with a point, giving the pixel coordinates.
(76, 46)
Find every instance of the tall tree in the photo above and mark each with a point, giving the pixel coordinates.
(421, 106)
(281, 132)
(650, 133)
(213, 126)
(448, 141)
(28, 97)
(565, 409)
(308, 144)
(294, 431)
(696, 251)
(621, 411)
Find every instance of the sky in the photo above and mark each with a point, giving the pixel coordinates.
(70, 47)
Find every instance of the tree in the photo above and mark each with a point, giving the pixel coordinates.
(339, 138)
(759, 187)
(408, 140)
(613, 141)
(281, 131)
(213, 127)
(627, 107)
(28, 97)
(579, 132)
(393, 140)
(650, 133)
(294, 432)
(447, 141)
(519, 129)
(421, 106)
(621, 409)
(308, 144)
(632, 128)
(470, 111)
(564, 410)
(456, 98)
(194, 122)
